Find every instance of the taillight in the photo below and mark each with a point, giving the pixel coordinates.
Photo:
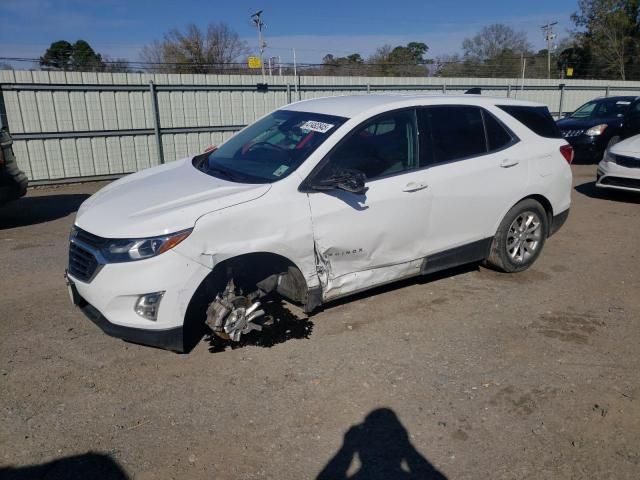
(567, 153)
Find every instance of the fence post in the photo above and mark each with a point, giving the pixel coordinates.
(562, 85)
(298, 87)
(508, 90)
(444, 88)
(368, 88)
(606, 93)
(156, 121)
(288, 93)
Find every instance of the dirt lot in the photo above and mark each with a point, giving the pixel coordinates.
(468, 374)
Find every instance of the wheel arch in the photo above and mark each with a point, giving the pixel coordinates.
(546, 204)
(246, 269)
(541, 199)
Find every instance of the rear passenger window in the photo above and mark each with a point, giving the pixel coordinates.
(537, 119)
(497, 136)
(452, 132)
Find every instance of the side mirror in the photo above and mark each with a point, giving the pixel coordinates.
(348, 180)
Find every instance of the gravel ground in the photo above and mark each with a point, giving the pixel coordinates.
(467, 374)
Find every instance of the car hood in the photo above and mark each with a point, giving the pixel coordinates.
(629, 147)
(160, 200)
(584, 123)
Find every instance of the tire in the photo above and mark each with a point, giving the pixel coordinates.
(515, 250)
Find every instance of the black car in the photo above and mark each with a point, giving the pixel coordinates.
(13, 182)
(600, 123)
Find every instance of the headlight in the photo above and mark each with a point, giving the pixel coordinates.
(127, 250)
(597, 130)
(609, 157)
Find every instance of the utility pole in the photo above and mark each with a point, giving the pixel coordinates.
(549, 36)
(257, 20)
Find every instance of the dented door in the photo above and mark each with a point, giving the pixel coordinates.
(371, 239)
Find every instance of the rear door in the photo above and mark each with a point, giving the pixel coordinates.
(476, 169)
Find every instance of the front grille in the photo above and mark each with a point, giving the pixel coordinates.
(89, 238)
(628, 162)
(83, 264)
(572, 133)
(621, 182)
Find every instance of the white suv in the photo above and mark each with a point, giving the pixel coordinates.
(317, 200)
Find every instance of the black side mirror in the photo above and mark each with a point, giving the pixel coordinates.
(348, 180)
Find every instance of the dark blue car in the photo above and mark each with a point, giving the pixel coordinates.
(599, 124)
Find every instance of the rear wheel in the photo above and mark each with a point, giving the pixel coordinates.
(520, 237)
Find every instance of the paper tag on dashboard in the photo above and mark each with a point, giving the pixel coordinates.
(314, 126)
(280, 170)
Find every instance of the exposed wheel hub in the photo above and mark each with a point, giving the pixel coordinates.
(232, 314)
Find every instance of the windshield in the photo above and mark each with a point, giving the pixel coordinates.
(271, 148)
(603, 108)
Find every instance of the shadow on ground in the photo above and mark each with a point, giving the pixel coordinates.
(32, 210)
(286, 326)
(381, 449)
(589, 189)
(91, 465)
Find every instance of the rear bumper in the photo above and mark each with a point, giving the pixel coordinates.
(12, 187)
(558, 221)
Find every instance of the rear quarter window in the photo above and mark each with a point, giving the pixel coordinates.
(537, 119)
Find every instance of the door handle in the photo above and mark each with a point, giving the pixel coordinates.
(509, 162)
(414, 186)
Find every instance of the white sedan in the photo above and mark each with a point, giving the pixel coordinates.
(620, 167)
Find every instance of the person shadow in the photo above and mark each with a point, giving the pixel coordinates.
(382, 446)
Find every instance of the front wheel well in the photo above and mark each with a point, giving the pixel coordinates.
(270, 270)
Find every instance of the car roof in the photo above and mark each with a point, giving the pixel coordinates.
(630, 98)
(350, 106)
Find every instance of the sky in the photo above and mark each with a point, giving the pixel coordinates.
(119, 28)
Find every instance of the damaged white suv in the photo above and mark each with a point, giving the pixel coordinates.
(318, 200)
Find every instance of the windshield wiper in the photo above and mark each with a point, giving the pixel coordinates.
(224, 173)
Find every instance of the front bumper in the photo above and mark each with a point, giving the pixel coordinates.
(588, 149)
(615, 177)
(109, 298)
(169, 339)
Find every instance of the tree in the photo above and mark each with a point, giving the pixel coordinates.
(195, 50)
(610, 30)
(116, 65)
(84, 58)
(405, 60)
(493, 40)
(62, 55)
(349, 65)
(57, 56)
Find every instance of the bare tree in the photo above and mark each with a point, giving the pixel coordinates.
(492, 41)
(195, 50)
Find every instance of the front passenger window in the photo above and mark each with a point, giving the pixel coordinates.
(383, 146)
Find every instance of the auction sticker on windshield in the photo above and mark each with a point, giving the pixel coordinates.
(314, 126)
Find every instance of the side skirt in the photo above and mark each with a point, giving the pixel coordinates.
(454, 257)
